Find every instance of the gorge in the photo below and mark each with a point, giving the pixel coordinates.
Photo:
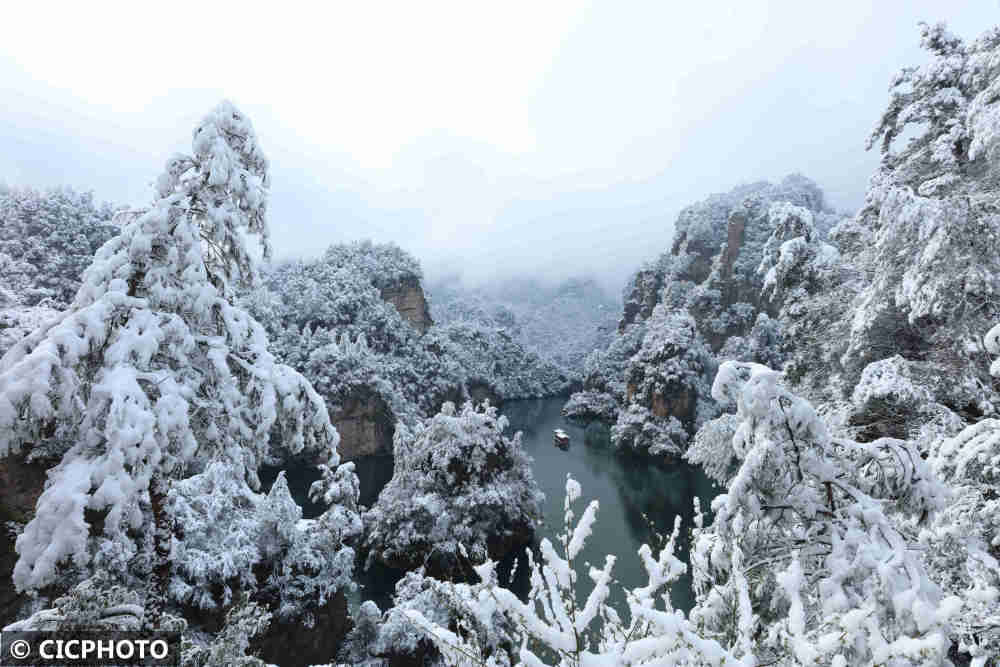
(783, 439)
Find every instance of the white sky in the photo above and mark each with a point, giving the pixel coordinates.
(549, 137)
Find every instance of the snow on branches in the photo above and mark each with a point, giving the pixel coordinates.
(555, 627)
(153, 372)
(807, 557)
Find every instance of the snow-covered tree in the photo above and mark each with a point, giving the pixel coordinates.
(153, 372)
(47, 239)
(950, 102)
(461, 491)
(924, 244)
(963, 544)
(811, 558)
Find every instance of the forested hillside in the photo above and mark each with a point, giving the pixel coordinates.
(561, 323)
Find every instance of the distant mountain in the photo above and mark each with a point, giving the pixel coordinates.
(562, 323)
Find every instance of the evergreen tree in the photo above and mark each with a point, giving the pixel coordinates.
(153, 372)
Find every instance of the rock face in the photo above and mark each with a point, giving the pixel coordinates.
(295, 645)
(366, 426)
(20, 486)
(642, 297)
(408, 297)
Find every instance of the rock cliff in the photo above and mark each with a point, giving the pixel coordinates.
(366, 425)
(21, 484)
(407, 296)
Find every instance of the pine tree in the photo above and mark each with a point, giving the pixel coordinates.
(153, 371)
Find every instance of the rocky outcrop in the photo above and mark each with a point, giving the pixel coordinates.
(696, 304)
(296, 645)
(366, 426)
(642, 297)
(462, 491)
(679, 404)
(480, 390)
(408, 297)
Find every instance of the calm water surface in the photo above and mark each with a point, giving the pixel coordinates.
(627, 488)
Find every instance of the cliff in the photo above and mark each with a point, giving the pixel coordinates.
(366, 425)
(407, 296)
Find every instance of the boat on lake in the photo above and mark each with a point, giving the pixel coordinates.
(560, 438)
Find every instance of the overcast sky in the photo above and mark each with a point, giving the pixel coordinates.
(553, 138)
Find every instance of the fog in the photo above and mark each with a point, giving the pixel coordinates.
(545, 139)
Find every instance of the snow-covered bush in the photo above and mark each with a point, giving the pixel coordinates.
(94, 604)
(397, 636)
(244, 621)
(461, 491)
(238, 541)
(153, 373)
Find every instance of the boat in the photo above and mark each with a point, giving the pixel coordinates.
(560, 438)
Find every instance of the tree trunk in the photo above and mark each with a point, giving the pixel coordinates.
(156, 599)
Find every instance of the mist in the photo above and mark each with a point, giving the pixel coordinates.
(491, 143)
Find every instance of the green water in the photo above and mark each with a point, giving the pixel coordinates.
(627, 488)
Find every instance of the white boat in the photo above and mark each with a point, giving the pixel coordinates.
(560, 438)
